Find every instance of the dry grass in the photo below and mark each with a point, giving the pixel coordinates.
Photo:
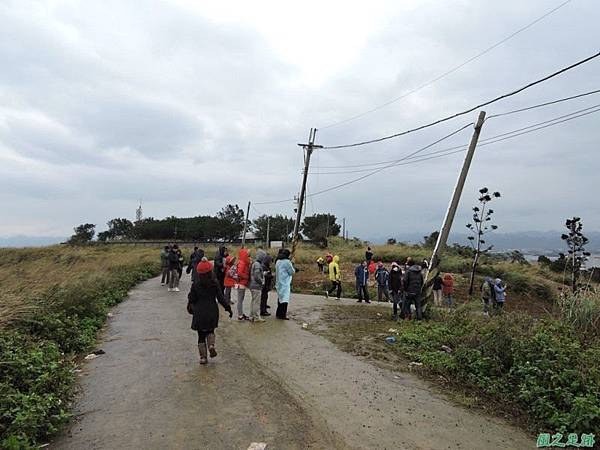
(26, 275)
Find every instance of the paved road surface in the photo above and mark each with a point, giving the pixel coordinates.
(273, 383)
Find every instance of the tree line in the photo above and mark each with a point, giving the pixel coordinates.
(227, 225)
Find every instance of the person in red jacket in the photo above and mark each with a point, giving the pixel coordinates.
(448, 289)
(231, 277)
(243, 273)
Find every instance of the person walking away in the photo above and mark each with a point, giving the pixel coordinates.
(500, 291)
(284, 271)
(195, 259)
(257, 281)
(361, 273)
(335, 276)
(382, 276)
(438, 284)
(369, 255)
(243, 271)
(320, 264)
(264, 294)
(173, 259)
(202, 299)
(397, 288)
(231, 277)
(164, 264)
(220, 265)
(488, 294)
(180, 260)
(371, 267)
(448, 290)
(413, 283)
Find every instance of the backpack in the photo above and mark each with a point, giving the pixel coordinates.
(233, 272)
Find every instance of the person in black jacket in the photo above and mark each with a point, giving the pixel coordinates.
(368, 255)
(201, 301)
(173, 265)
(413, 283)
(397, 287)
(195, 258)
(220, 266)
(267, 285)
(438, 284)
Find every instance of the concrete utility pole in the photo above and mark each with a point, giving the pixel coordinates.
(460, 183)
(268, 230)
(245, 226)
(309, 149)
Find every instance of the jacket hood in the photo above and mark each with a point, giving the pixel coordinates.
(260, 255)
(336, 259)
(267, 260)
(447, 277)
(244, 254)
(415, 268)
(222, 250)
(498, 281)
(488, 279)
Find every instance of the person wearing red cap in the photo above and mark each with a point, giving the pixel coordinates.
(202, 305)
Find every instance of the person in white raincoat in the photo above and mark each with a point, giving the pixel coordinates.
(284, 271)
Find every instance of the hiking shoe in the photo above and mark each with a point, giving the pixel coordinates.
(243, 317)
(265, 314)
(367, 301)
(358, 301)
(258, 319)
(326, 294)
(169, 289)
(176, 289)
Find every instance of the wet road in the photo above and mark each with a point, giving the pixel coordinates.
(274, 383)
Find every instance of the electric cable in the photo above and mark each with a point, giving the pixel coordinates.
(453, 116)
(452, 70)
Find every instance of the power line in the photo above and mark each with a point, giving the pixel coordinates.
(453, 116)
(481, 142)
(553, 102)
(454, 69)
(489, 141)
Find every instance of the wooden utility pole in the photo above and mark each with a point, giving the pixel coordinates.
(454, 201)
(344, 228)
(245, 226)
(309, 149)
(268, 230)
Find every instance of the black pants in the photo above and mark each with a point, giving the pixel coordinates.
(397, 300)
(336, 286)
(362, 291)
(410, 299)
(281, 310)
(221, 280)
(202, 334)
(264, 296)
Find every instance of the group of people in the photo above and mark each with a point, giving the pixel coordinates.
(402, 284)
(213, 282)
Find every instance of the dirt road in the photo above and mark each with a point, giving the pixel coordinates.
(272, 383)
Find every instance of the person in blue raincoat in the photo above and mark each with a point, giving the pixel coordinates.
(284, 271)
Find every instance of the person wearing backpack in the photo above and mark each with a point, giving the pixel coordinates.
(488, 294)
(448, 289)
(382, 277)
(231, 277)
(413, 284)
(257, 281)
(173, 260)
(243, 271)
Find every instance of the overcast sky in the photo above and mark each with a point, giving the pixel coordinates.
(191, 105)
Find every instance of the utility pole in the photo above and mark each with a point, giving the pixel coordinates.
(460, 183)
(309, 149)
(344, 228)
(245, 226)
(268, 230)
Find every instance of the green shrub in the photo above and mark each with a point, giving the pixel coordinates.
(541, 367)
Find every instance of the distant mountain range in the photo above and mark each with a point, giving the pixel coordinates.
(30, 241)
(533, 242)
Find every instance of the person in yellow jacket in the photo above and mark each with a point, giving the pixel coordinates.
(335, 276)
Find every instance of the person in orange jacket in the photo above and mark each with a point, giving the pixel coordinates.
(243, 272)
(448, 289)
